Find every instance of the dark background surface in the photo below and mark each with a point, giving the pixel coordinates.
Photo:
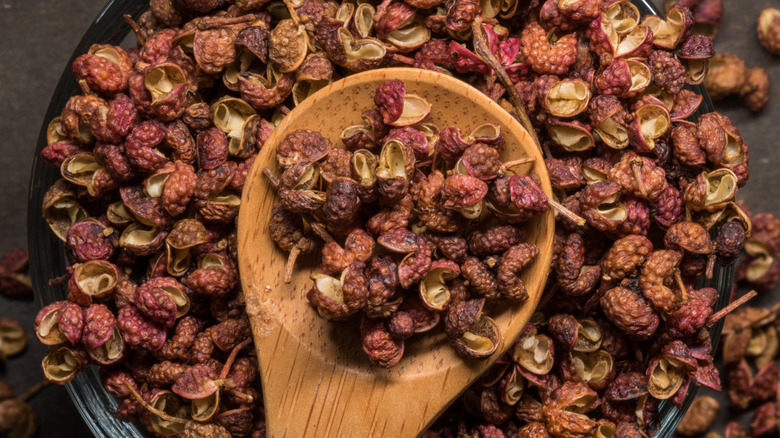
(37, 38)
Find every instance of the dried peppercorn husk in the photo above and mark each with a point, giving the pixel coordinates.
(14, 281)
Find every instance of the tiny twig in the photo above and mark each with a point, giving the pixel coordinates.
(321, 231)
(715, 317)
(482, 50)
(565, 212)
(710, 271)
(233, 354)
(151, 408)
(681, 284)
(293, 13)
(136, 30)
(242, 395)
(518, 162)
(290, 265)
(85, 90)
(26, 395)
(59, 280)
(212, 22)
(403, 59)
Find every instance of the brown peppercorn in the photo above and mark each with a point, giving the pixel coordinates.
(686, 145)
(768, 29)
(14, 281)
(565, 174)
(194, 429)
(481, 280)
(629, 312)
(164, 374)
(755, 91)
(358, 245)
(453, 247)
(141, 144)
(625, 256)
(138, 331)
(668, 72)
(766, 229)
(341, 202)
(639, 176)
(512, 263)
(699, 416)
(688, 236)
(657, 271)
(546, 58)
(17, 418)
(726, 76)
(494, 240)
(561, 420)
(601, 206)
(230, 332)
(105, 69)
(378, 343)
(401, 325)
(707, 15)
(382, 274)
(729, 241)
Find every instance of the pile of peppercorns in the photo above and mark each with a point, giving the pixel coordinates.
(749, 349)
(155, 152)
(427, 201)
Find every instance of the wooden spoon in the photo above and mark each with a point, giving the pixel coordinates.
(317, 381)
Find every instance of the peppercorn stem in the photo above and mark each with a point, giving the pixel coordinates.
(403, 59)
(59, 280)
(321, 231)
(151, 408)
(290, 265)
(26, 395)
(85, 87)
(518, 162)
(248, 398)
(565, 212)
(715, 317)
(482, 50)
(681, 284)
(213, 22)
(136, 30)
(293, 14)
(232, 357)
(710, 265)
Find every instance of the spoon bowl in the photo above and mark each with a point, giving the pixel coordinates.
(317, 381)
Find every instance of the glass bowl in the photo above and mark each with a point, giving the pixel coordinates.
(48, 258)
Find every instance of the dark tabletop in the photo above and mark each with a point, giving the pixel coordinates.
(36, 40)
